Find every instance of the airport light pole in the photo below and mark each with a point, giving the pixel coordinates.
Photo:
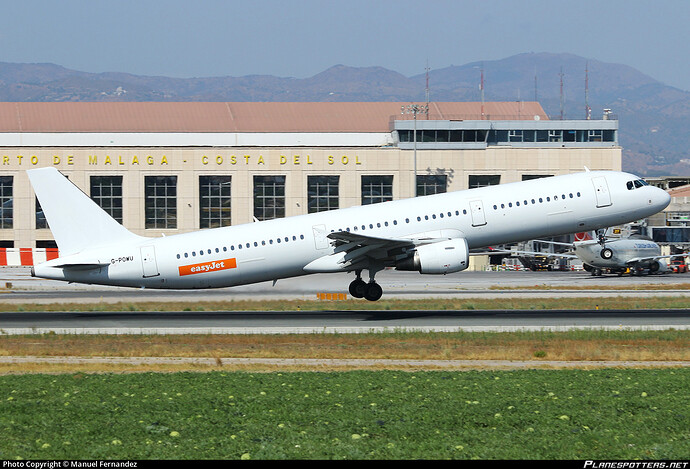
(414, 109)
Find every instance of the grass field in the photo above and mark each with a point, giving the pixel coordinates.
(577, 345)
(536, 414)
(64, 412)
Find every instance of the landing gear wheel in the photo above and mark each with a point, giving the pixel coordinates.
(606, 253)
(358, 288)
(373, 291)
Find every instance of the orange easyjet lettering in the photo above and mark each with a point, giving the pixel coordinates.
(212, 266)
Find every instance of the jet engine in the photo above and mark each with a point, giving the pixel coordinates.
(443, 257)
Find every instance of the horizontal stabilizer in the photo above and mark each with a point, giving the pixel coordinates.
(85, 265)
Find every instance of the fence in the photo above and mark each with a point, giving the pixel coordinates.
(18, 257)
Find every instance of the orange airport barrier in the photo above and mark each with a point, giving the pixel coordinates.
(331, 296)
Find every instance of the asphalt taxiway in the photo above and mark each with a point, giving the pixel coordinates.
(410, 285)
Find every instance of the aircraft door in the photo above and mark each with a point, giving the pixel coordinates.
(477, 212)
(320, 236)
(148, 261)
(601, 189)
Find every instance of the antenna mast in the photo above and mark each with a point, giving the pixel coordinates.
(427, 89)
(562, 104)
(588, 110)
(481, 88)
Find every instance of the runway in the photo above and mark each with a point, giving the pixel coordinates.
(268, 322)
(408, 285)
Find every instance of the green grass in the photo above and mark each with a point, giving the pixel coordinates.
(533, 414)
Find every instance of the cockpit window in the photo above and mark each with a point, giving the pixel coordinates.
(637, 183)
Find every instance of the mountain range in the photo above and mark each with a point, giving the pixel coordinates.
(653, 118)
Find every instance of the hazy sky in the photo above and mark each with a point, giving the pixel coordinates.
(300, 38)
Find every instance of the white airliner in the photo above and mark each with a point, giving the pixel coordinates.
(635, 253)
(431, 234)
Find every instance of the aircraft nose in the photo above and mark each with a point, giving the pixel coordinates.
(662, 198)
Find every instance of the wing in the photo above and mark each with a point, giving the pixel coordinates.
(543, 254)
(635, 260)
(355, 251)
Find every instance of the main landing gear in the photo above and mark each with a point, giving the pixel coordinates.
(372, 291)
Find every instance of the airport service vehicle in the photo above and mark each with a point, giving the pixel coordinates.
(678, 266)
(432, 234)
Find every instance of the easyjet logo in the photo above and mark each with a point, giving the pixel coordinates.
(208, 267)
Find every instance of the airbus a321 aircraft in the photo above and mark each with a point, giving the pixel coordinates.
(431, 234)
(636, 253)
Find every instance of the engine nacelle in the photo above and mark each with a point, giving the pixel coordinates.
(444, 257)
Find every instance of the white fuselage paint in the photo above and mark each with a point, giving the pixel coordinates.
(281, 248)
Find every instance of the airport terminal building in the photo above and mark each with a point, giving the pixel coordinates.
(165, 168)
